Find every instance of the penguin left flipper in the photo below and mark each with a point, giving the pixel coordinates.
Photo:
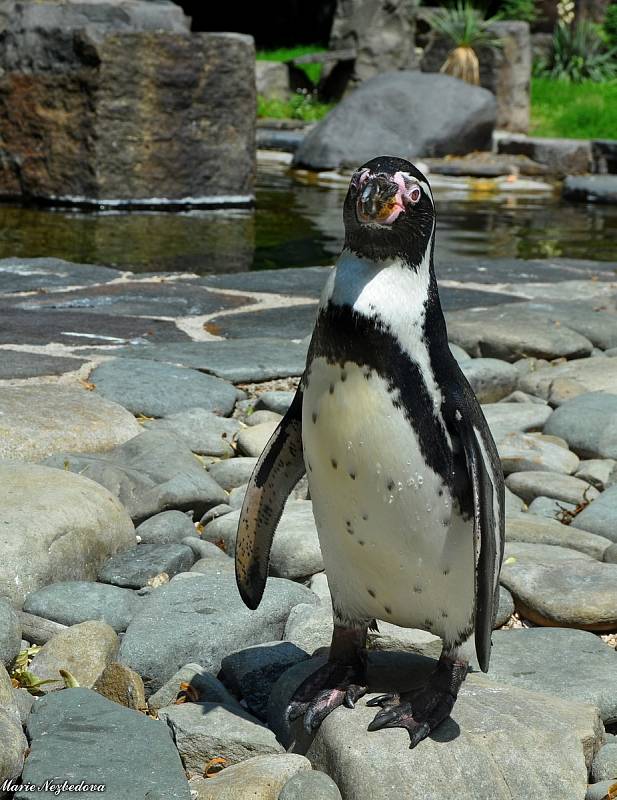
(278, 470)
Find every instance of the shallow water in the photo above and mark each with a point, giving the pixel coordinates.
(296, 224)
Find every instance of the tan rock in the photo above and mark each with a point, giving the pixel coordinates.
(122, 685)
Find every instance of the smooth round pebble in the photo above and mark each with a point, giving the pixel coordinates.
(314, 785)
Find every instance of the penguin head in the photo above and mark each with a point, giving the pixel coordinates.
(389, 211)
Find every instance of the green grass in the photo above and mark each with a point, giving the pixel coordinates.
(299, 106)
(312, 71)
(573, 110)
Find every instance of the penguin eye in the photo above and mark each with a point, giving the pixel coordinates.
(413, 194)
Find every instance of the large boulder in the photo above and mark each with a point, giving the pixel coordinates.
(407, 113)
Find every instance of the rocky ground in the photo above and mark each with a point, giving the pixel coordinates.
(132, 409)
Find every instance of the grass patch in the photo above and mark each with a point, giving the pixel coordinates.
(585, 110)
(299, 106)
(312, 71)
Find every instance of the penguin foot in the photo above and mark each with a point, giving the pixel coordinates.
(421, 710)
(331, 686)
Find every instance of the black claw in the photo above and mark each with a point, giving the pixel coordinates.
(417, 735)
(382, 698)
(382, 720)
(349, 702)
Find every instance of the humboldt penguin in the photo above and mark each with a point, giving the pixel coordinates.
(407, 489)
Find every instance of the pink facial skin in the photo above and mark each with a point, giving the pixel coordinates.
(409, 193)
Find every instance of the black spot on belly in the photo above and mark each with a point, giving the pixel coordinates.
(349, 527)
(390, 485)
(352, 475)
(387, 609)
(371, 592)
(428, 623)
(417, 589)
(446, 571)
(334, 463)
(365, 517)
(331, 388)
(360, 541)
(343, 375)
(314, 417)
(444, 614)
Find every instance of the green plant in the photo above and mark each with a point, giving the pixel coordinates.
(523, 10)
(578, 54)
(301, 105)
(610, 25)
(312, 71)
(464, 26)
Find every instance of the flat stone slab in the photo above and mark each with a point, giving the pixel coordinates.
(533, 483)
(535, 529)
(520, 452)
(237, 360)
(158, 390)
(259, 778)
(600, 516)
(72, 602)
(305, 282)
(34, 274)
(515, 270)
(21, 364)
(589, 374)
(33, 422)
(490, 378)
(588, 423)
(83, 525)
(135, 567)
(286, 322)
(505, 418)
(133, 755)
(153, 472)
(204, 432)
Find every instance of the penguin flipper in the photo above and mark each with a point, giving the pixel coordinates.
(278, 470)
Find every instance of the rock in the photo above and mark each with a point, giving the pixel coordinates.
(169, 527)
(122, 685)
(516, 553)
(540, 530)
(153, 472)
(72, 602)
(532, 484)
(510, 332)
(314, 784)
(596, 471)
(205, 550)
(562, 156)
(84, 524)
(252, 672)
(84, 650)
(504, 418)
(490, 378)
(459, 354)
(610, 554)
(215, 513)
(37, 629)
(272, 79)
(600, 517)
(275, 401)
(203, 731)
(232, 472)
(24, 702)
(135, 567)
(131, 754)
(521, 452)
(21, 364)
(161, 390)
(591, 189)
(588, 423)
(10, 633)
(604, 765)
(206, 688)
(569, 664)
(14, 743)
(522, 397)
(257, 778)
(236, 497)
(203, 431)
(251, 441)
(551, 508)
(34, 422)
(34, 274)
(309, 626)
(514, 504)
(590, 374)
(505, 608)
(463, 122)
(599, 791)
(318, 584)
(259, 417)
(207, 566)
(295, 550)
(203, 619)
(392, 637)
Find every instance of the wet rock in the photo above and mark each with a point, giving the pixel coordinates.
(160, 390)
(282, 322)
(153, 472)
(314, 784)
(122, 685)
(604, 765)
(72, 602)
(505, 608)
(135, 567)
(596, 471)
(591, 189)
(521, 452)
(532, 484)
(133, 755)
(84, 524)
(490, 378)
(251, 441)
(10, 633)
(232, 472)
(203, 620)
(84, 650)
(588, 423)
(275, 401)
(203, 731)
(600, 517)
(505, 418)
(34, 422)
(169, 527)
(203, 686)
(204, 432)
(257, 778)
(14, 743)
(551, 508)
(295, 549)
(533, 528)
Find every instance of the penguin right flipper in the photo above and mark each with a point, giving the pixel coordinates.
(278, 470)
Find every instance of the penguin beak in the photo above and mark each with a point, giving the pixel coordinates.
(379, 201)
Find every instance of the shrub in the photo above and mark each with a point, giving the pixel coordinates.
(610, 25)
(299, 106)
(579, 54)
(522, 10)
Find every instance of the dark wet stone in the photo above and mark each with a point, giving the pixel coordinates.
(591, 188)
(135, 567)
(34, 274)
(158, 390)
(20, 364)
(288, 322)
(133, 755)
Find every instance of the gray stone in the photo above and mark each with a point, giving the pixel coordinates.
(251, 441)
(84, 650)
(204, 549)
(204, 432)
(314, 784)
(208, 566)
(390, 637)
(309, 626)
(561, 156)
(532, 484)
(203, 731)
(122, 685)
(535, 529)
(490, 378)
(84, 524)
(604, 765)
(599, 325)
(236, 497)
(21, 364)
(37, 629)
(203, 619)
(299, 281)
(589, 375)
(461, 123)
(591, 189)
(10, 633)
(588, 423)
(72, 602)
(252, 672)
(257, 778)
(166, 528)
(204, 686)
(516, 553)
(596, 471)
(514, 504)
(505, 608)
(135, 567)
(459, 354)
(34, 422)
(153, 472)
(610, 554)
(259, 417)
(272, 79)
(159, 390)
(34, 274)
(318, 584)
(14, 743)
(281, 322)
(599, 791)
(24, 702)
(215, 513)
(520, 452)
(600, 517)
(275, 401)
(523, 397)
(232, 472)
(295, 549)
(504, 418)
(133, 755)
(551, 508)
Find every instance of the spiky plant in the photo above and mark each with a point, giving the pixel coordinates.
(464, 26)
(579, 54)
